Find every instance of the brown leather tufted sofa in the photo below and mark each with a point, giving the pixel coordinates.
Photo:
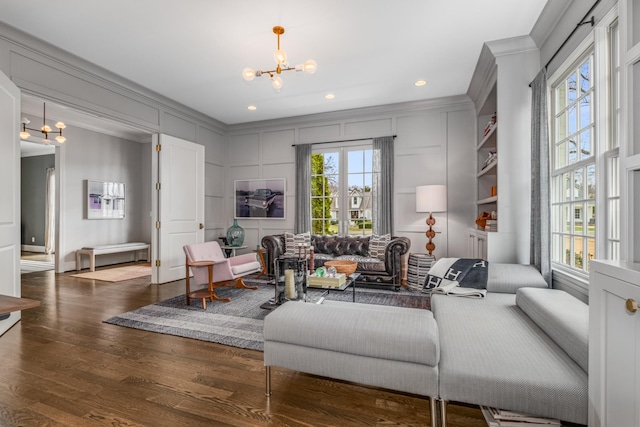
(373, 271)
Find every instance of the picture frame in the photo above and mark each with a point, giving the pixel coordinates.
(260, 198)
(105, 200)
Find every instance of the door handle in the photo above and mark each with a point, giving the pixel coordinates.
(632, 305)
(201, 226)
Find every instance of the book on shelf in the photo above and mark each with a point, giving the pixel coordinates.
(501, 418)
(491, 124)
(491, 159)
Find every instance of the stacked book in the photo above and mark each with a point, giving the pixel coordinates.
(491, 225)
(417, 269)
(500, 418)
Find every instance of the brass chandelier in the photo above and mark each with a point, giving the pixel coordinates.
(45, 128)
(280, 57)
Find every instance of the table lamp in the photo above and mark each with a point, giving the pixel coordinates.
(431, 198)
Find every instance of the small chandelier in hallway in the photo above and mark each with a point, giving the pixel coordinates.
(45, 129)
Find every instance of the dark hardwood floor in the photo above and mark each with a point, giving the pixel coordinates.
(62, 366)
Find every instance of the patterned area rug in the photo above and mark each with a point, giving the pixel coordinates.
(239, 323)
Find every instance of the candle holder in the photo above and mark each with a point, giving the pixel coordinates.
(291, 279)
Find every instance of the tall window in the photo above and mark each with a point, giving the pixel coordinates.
(584, 193)
(574, 171)
(341, 180)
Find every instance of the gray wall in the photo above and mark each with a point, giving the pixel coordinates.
(94, 156)
(32, 197)
(434, 145)
(46, 72)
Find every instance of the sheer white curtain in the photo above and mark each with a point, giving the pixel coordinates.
(50, 212)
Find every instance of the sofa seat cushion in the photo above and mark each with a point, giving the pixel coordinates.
(493, 354)
(381, 332)
(561, 316)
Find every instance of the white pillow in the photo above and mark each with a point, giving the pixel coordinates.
(378, 245)
(291, 242)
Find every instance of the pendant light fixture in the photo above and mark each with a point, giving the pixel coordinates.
(45, 128)
(280, 57)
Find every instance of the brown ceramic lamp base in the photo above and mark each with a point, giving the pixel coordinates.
(431, 221)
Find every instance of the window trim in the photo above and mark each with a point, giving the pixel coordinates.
(599, 40)
(344, 198)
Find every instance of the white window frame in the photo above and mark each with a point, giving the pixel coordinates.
(343, 148)
(606, 130)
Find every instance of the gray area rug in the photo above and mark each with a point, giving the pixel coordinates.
(239, 323)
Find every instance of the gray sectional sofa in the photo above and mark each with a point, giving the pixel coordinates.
(523, 347)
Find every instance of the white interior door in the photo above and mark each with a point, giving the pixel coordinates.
(180, 205)
(10, 193)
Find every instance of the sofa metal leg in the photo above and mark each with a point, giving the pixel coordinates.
(434, 411)
(268, 380)
(443, 412)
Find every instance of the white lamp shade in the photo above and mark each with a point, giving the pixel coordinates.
(431, 198)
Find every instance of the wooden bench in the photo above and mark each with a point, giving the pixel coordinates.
(92, 251)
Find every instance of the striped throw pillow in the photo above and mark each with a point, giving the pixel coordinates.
(378, 244)
(291, 242)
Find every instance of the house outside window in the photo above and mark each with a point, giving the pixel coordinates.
(341, 181)
(584, 109)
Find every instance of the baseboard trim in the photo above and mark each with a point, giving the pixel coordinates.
(32, 248)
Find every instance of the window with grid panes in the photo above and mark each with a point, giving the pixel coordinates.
(585, 222)
(574, 169)
(341, 185)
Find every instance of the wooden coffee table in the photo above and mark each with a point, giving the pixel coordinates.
(351, 281)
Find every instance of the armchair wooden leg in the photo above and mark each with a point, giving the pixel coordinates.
(213, 296)
(240, 284)
(187, 285)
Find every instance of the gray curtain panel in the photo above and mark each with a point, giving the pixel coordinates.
(540, 178)
(383, 185)
(302, 222)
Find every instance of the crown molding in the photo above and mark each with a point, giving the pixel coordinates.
(37, 48)
(451, 103)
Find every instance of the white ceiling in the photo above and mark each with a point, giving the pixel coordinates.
(369, 52)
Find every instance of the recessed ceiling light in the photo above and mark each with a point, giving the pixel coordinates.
(252, 107)
(420, 83)
(329, 96)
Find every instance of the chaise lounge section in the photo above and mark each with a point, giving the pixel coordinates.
(522, 348)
